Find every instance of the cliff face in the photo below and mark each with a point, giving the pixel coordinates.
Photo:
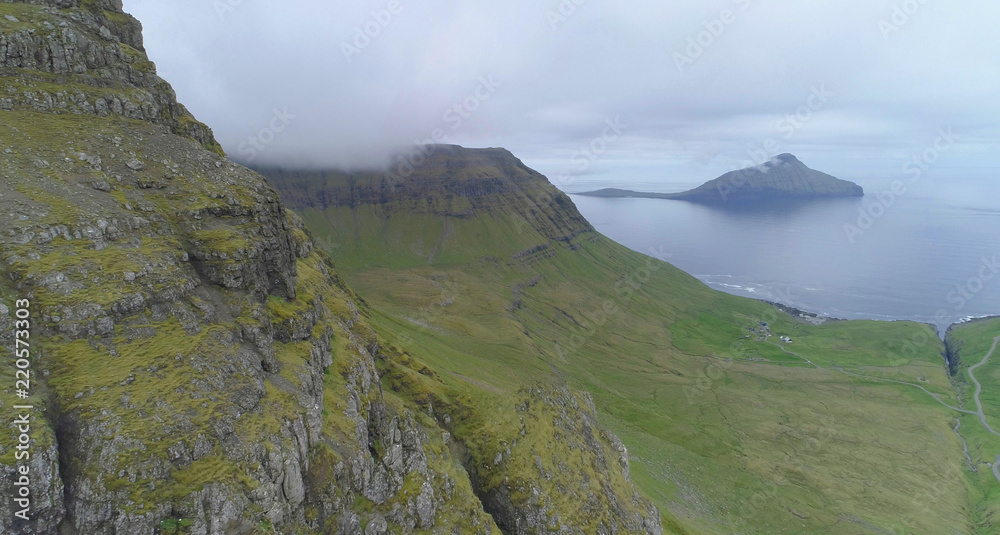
(86, 57)
(538, 459)
(198, 360)
(459, 204)
(199, 367)
(451, 181)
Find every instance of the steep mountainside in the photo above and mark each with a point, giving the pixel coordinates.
(974, 348)
(783, 177)
(200, 367)
(485, 195)
(729, 430)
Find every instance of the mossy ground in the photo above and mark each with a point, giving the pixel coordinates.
(726, 433)
(971, 342)
(162, 377)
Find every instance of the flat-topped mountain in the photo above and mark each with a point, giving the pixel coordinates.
(783, 177)
(505, 206)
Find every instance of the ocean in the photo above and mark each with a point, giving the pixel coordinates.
(924, 255)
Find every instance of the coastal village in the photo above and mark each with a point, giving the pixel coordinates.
(763, 332)
(760, 332)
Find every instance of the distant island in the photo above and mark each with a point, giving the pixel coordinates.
(783, 177)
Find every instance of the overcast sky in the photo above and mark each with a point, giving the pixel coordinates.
(659, 92)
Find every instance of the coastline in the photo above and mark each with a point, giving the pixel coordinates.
(817, 319)
(802, 315)
(971, 320)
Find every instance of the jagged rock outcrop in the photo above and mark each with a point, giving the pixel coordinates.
(585, 503)
(199, 366)
(188, 334)
(86, 57)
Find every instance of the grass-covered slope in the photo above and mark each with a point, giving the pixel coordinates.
(974, 347)
(845, 430)
(199, 366)
(196, 358)
(460, 207)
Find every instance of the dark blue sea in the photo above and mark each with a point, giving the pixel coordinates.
(929, 255)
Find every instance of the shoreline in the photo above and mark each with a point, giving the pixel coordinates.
(818, 319)
(978, 319)
(809, 317)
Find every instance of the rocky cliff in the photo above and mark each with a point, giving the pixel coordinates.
(459, 204)
(200, 367)
(450, 182)
(86, 57)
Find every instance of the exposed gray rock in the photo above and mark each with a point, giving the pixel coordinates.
(97, 49)
(426, 508)
(525, 507)
(186, 377)
(377, 526)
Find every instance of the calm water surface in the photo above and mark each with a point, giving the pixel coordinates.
(928, 260)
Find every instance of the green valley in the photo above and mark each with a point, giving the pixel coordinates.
(218, 351)
(487, 273)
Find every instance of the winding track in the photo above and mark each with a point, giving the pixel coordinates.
(972, 375)
(979, 402)
(979, 389)
(869, 377)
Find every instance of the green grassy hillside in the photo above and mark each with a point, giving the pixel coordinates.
(199, 366)
(846, 430)
(970, 344)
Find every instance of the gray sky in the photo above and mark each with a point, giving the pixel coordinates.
(347, 84)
